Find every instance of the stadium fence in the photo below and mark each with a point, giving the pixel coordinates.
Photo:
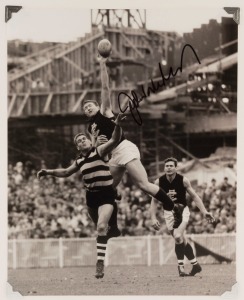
(131, 250)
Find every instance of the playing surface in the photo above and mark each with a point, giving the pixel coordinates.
(123, 280)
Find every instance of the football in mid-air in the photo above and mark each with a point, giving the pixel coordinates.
(104, 48)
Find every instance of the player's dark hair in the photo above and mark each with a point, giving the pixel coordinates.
(171, 159)
(77, 135)
(89, 100)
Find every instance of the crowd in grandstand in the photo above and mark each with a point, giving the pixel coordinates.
(55, 207)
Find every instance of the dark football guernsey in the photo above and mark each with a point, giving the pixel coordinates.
(104, 125)
(175, 189)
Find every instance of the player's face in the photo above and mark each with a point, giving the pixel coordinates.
(90, 109)
(83, 143)
(170, 168)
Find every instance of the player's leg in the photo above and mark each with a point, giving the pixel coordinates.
(117, 173)
(188, 251)
(196, 268)
(113, 230)
(178, 235)
(93, 214)
(139, 176)
(104, 214)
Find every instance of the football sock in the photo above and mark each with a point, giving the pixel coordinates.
(179, 251)
(190, 254)
(101, 247)
(161, 196)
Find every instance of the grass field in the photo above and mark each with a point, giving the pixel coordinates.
(123, 280)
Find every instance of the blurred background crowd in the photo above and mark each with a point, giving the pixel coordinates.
(56, 207)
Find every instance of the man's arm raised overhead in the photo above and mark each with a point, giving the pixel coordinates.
(106, 107)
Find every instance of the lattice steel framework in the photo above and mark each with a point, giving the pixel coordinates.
(132, 18)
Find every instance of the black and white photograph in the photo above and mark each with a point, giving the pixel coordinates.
(120, 158)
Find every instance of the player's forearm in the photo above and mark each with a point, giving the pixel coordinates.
(93, 140)
(116, 135)
(108, 147)
(58, 172)
(105, 92)
(199, 204)
(153, 208)
(104, 76)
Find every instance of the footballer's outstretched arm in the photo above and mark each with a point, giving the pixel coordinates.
(153, 210)
(106, 107)
(197, 200)
(62, 172)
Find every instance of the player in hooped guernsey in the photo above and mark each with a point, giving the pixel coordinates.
(92, 162)
(126, 155)
(176, 186)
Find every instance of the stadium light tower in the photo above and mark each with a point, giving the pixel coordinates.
(133, 18)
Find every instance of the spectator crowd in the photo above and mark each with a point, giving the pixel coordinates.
(55, 207)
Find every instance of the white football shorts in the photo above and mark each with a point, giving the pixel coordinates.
(169, 218)
(125, 152)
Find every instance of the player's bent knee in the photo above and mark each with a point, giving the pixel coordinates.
(143, 186)
(178, 240)
(178, 237)
(101, 228)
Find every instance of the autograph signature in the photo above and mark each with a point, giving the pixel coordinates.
(134, 99)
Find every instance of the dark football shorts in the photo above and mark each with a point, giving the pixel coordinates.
(99, 198)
